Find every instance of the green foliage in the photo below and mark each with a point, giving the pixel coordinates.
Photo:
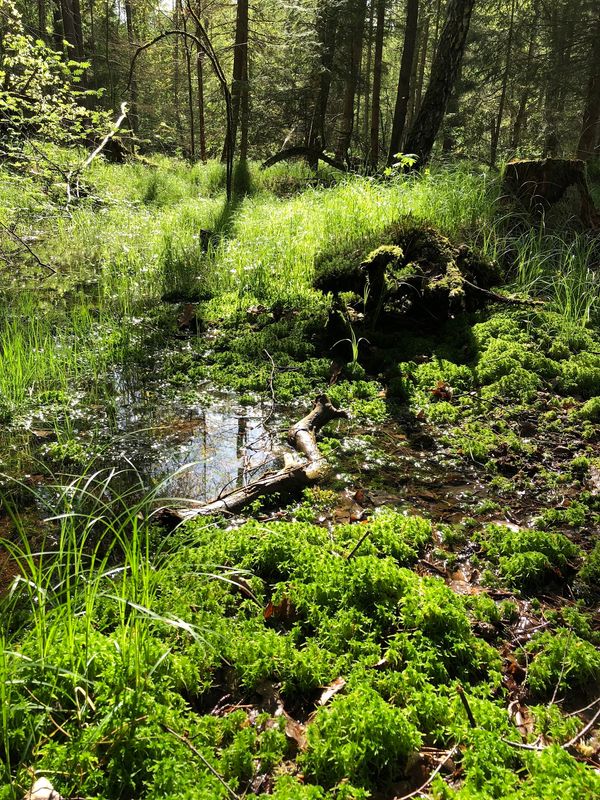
(40, 94)
(360, 738)
(528, 558)
(562, 659)
(591, 409)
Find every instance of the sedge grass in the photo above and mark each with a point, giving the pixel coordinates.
(86, 590)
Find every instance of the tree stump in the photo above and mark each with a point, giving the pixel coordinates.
(553, 189)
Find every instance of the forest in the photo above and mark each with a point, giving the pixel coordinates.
(299, 399)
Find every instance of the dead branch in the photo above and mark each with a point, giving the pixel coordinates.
(204, 760)
(204, 45)
(24, 244)
(307, 153)
(502, 298)
(75, 173)
(435, 772)
(296, 475)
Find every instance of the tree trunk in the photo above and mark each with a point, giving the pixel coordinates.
(377, 71)
(68, 25)
(239, 84)
(41, 8)
(177, 110)
(406, 66)
(57, 25)
(554, 190)
(200, 82)
(367, 82)
(327, 26)
(495, 139)
(421, 60)
(356, 10)
(531, 69)
(78, 30)
(590, 130)
(133, 93)
(190, 91)
(444, 72)
(453, 118)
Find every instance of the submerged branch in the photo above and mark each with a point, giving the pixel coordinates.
(300, 473)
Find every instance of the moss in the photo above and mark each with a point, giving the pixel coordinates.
(589, 574)
(530, 558)
(590, 410)
(360, 738)
(564, 660)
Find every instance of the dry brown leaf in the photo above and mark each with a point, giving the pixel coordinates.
(330, 691)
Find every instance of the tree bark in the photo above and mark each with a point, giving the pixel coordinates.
(495, 140)
(421, 63)
(57, 25)
(133, 92)
(68, 25)
(177, 110)
(444, 72)
(531, 69)
(406, 67)
(356, 10)
(78, 30)
(190, 91)
(367, 82)
(41, 9)
(377, 72)
(590, 130)
(327, 26)
(200, 83)
(239, 84)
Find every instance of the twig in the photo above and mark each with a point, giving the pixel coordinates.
(205, 761)
(562, 669)
(75, 173)
(24, 244)
(360, 541)
(467, 707)
(582, 732)
(585, 708)
(522, 745)
(579, 735)
(435, 772)
(271, 387)
(502, 298)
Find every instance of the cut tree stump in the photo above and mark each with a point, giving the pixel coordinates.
(553, 189)
(296, 475)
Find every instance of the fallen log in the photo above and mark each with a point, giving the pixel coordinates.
(308, 153)
(294, 476)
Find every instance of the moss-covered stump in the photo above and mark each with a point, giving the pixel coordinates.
(415, 274)
(553, 189)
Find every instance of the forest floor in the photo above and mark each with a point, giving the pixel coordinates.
(422, 623)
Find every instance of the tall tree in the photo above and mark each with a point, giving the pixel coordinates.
(495, 140)
(41, 9)
(377, 72)
(444, 72)
(590, 129)
(200, 85)
(406, 68)
(239, 86)
(327, 29)
(531, 69)
(133, 90)
(355, 11)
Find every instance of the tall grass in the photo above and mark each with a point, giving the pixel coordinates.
(87, 581)
(562, 270)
